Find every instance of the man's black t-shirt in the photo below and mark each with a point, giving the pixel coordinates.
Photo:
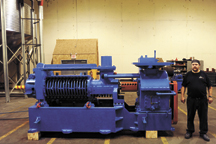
(196, 84)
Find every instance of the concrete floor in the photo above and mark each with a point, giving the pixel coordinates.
(15, 131)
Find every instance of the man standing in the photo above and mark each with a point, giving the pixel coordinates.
(196, 82)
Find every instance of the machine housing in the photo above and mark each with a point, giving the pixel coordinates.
(79, 103)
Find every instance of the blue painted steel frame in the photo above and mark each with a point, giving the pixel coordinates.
(152, 110)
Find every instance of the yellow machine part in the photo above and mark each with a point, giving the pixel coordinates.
(93, 73)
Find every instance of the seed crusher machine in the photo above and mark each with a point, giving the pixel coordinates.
(79, 103)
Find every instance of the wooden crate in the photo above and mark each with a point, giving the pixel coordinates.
(85, 49)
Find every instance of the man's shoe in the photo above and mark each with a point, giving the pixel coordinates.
(188, 135)
(205, 137)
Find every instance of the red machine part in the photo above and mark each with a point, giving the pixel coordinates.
(129, 86)
(40, 3)
(88, 105)
(38, 105)
(175, 102)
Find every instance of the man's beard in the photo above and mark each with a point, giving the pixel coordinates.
(195, 70)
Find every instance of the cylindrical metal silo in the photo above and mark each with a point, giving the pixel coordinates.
(13, 31)
(13, 17)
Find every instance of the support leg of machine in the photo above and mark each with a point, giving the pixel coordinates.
(151, 134)
(34, 136)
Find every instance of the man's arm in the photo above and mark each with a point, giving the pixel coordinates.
(210, 99)
(182, 94)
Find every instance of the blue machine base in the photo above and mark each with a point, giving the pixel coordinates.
(104, 120)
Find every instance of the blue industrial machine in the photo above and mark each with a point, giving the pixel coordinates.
(179, 79)
(79, 103)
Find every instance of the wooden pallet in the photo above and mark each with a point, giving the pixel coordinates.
(151, 134)
(34, 136)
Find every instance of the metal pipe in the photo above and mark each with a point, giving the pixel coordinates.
(32, 13)
(28, 59)
(122, 76)
(32, 31)
(18, 70)
(40, 3)
(4, 50)
(12, 93)
(36, 48)
(33, 40)
(23, 42)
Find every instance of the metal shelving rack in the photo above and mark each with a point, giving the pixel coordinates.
(29, 48)
(183, 66)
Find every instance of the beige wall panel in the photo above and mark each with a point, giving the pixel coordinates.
(170, 39)
(66, 11)
(130, 11)
(129, 44)
(127, 29)
(110, 37)
(99, 10)
(126, 65)
(51, 10)
(50, 36)
(87, 12)
(67, 30)
(84, 30)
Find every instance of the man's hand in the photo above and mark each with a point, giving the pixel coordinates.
(182, 99)
(182, 94)
(210, 100)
